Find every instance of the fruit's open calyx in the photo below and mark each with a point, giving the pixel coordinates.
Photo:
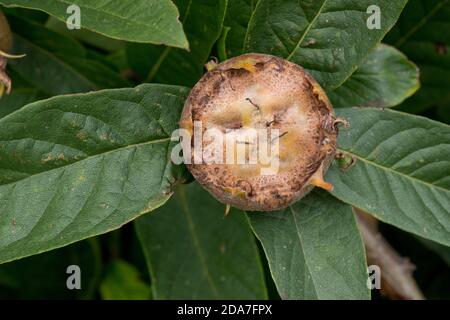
(261, 92)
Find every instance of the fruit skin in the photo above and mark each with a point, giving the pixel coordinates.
(263, 91)
(5, 34)
(5, 46)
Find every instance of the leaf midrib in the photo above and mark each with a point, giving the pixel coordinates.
(308, 28)
(59, 60)
(130, 146)
(303, 250)
(384, 168)
(167, 50)
(252, 16)
(196, 242)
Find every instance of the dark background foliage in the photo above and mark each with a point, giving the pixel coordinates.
(156, 256)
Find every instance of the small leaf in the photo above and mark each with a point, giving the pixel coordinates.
(46, 71)
(150, 21)
(328, 38)
(237, 19)
(175, 66)
(122, 282)
(56, 64)
(402, 170)
(91, 38)
(384, 79)
(314, 249)
(194, 252)
(422, 34)
(75, 166)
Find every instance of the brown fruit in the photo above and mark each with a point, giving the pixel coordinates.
(262, 92)
(5, 46)
(5, 34)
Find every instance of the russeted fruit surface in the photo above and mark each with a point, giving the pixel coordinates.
(266, 94)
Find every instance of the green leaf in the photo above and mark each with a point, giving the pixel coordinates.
(46, 71)
(328, 38)
(402, 170)
(202, 22)
(75, 166)
(314, 249)
(384, 79)
(193, 252)
(56, 64)
(422, 34)
(122, 282)
(237, 19)
(221, 44)
(100, 75)
(45, 276)
(149, 21)
(91, 38)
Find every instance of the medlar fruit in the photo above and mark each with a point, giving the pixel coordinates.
(259, 93)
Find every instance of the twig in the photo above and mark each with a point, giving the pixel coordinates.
(397, 281)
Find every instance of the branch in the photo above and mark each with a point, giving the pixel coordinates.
(397, 281)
